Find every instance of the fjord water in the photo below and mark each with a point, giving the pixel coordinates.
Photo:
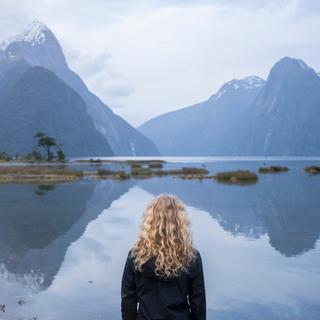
(62, 247)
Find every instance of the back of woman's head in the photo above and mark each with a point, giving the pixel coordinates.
(165, 233)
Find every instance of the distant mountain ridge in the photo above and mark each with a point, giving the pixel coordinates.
(38, 46)
(248, 117)
(213, 127)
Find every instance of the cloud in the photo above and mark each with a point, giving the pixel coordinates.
(13, 18)
(89, 66)
(147, 57)
(120, 91)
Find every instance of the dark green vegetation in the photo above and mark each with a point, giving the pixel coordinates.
(312, 169)
(237, 177)
(4, 157)
(47, 149)
(47, 144)
(273, 169)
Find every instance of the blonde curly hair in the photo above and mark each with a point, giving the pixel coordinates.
(165, 234)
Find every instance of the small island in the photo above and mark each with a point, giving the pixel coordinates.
(273, 169)
(242, 177)
(312, 170)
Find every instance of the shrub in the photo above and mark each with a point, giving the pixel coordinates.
(273, 169)
(105, 173)
(238, 176)
(155, 164)
(312, 169)
(5, 156)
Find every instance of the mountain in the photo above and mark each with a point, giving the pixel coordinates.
(248, 117)
(2, 54)
(34, 99)
(283, 118)
(213, 127)
(38, 46)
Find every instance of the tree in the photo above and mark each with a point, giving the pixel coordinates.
(49, 145)
(60, 155)
(5, 156)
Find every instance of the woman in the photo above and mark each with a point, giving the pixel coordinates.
(163, 276)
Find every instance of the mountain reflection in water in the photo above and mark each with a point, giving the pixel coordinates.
(62, 247)
(285, 207)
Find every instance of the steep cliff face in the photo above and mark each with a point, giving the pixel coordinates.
(38, 46)
(34, 99)
(283, 118)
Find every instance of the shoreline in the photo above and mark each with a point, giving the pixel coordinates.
(124, 169)
(54, 172)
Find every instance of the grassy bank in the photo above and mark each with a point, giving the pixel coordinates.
(42, 172)
(38, 173)
(130, 169)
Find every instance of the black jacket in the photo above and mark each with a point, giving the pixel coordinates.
(145, 296)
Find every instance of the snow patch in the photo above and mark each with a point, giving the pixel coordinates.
(250, 82)
(236, 86)
(220, 93)
(254, 81)
(34, 34)
(11, 55)
(4, 44)
(302, 64)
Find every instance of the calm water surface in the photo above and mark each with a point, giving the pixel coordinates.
(62, 247)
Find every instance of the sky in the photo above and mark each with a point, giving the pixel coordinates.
(147, 57)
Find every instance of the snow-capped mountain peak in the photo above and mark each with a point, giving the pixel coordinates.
(34, 33)
(38, 46)
(3, 45)
(247, 83)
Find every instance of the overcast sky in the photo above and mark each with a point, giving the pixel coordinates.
(147, 57)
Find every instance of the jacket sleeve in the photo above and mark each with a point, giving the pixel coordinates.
(129, 298)
(197, 294)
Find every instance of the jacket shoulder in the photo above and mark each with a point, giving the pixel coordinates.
(197, 256)
(130, 258)
(196, 263)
